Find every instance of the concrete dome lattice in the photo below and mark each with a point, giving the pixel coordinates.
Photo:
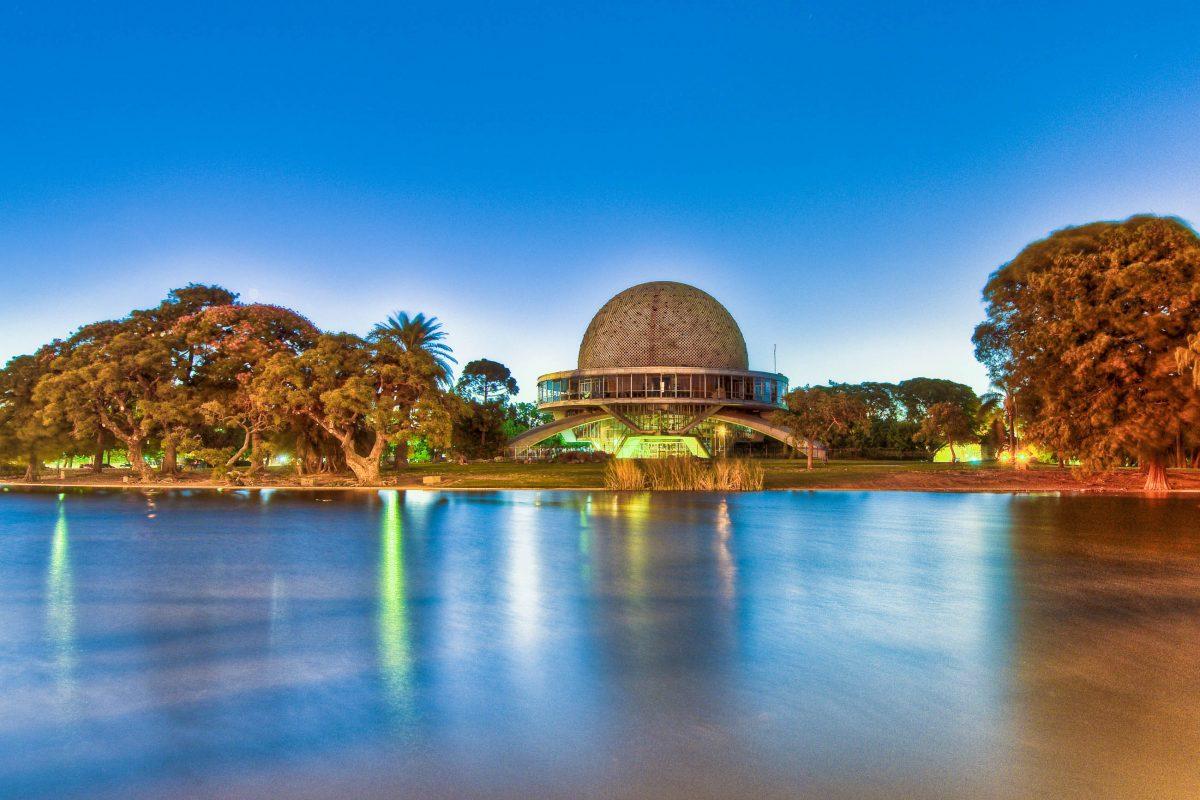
(663, 324)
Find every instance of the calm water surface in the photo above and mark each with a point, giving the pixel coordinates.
(574, 644)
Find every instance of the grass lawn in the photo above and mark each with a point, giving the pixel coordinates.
(791, 474)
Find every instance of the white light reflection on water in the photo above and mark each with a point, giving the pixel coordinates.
(524, 596)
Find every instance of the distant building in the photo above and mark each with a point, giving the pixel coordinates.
(662, 371)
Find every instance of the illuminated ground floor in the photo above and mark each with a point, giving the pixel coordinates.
(708, 439)
(634, 430)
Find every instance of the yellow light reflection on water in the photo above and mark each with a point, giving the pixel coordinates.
(60, 602)
(726, 568)
(395, 652)
(635, 508)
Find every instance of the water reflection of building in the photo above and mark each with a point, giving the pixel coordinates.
(662, 371)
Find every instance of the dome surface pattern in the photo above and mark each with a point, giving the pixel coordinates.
(663, 324)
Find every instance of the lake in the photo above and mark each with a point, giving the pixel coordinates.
(592, 644)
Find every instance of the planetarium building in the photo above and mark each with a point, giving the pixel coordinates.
(662, 371)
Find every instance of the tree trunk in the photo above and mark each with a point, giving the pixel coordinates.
(98, 454)
(137, 460)
(1156, 475)
(31, 469)
(256, 458)
(169, 462)
(953, 457)
(365, 468)
(808, 451)
(400, 457)
(233, 459)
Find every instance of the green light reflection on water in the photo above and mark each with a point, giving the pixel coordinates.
(585, 540)
(395, 651)
(60, 603)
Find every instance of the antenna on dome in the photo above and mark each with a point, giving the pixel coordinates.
(775, 358)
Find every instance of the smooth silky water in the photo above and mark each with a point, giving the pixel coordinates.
(588, 644)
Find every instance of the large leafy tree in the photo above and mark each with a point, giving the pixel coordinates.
(478, 428)
(946, 423)
(365, 394)
(887, 425)
(112, 376)
(918, 395)
(24, 436)
(128, 377)
(231, 345)
(814, 413)
(177, 409)
(1084, 328)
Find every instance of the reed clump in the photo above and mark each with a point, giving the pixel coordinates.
(624, 474)
(683, 474)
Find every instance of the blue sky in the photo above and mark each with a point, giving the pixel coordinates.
(842, 176)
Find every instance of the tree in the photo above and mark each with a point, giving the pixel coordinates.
(1084, 326)
(815, 412)
(918, 395)
(231, 345)
(129, 377)
(485, 380)
(177, 411)
(520, 417)
(110, 376)
(23, 434)
(946, 423)
(364, 394)
(419, 333)
(478, 428)
(991, 423)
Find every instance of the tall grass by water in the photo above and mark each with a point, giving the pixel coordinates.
(683, 474)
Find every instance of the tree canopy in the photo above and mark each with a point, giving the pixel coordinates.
(204, 375)
(485, 380)
(815, 412)
(1085, 327)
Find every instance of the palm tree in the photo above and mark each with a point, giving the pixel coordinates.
(419, 332)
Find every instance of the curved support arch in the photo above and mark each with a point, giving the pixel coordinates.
(764, 426)
(526, 440)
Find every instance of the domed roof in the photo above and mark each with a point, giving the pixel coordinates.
(663, 324)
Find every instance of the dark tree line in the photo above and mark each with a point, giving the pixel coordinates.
(919, 415)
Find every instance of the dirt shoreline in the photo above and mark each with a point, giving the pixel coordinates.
(862, 477)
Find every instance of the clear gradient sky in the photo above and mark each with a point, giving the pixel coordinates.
(842, 176)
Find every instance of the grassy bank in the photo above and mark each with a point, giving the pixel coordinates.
(778, 474)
